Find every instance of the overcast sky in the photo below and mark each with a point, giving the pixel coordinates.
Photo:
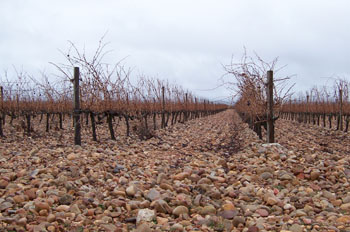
(186, 41)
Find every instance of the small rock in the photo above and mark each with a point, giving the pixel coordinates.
(296, 228)
(180, 210)
(228, 214)
(262, 212)
(131, 190)
(3, 184)
(286, 176)
(228, 206)
(208, 210)
(66, 199)
(152, 195)
(109, 227)
(287, 206)
(346, 199)
(31, 193)
(62, 208)
(238, 220)
(161, 206)
(272, 201)
(345, 207)
(177, 228)
(75, 209)
(162, 221)
(307, 221)
(145, 215)
(34, 173)
(43, 212)
(253, 229)
(51, 218)
(144, 227)
(204, 181)
(266, 175)
(39, 205)
(19, 198)
(5, 205)
(315, 174)
(72, 156)
(118, 168)
(344, 219)
(22, 221)
(160, 178)
(51, 228)
(181, 176)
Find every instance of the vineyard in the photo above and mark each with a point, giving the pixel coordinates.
(94, 94)
(96, 150)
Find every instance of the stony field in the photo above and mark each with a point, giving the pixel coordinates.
(209, 174)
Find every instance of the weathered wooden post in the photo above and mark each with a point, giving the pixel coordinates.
(126, 117)
(341, 109)
(186, 107)
(163, 107)
(2, 110)
(154, 114)
(307, 119)
(76, 110)
(196, 107)
(270, 136)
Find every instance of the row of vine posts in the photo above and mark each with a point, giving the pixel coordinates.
(77, 110)
(16, 108)
(319, 112)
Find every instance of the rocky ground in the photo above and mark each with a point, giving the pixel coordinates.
(209, 174)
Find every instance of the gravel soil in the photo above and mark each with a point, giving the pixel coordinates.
(208, 174)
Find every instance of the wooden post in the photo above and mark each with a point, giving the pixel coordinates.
(126, 117)
(196, 108)
(1, 111)
(307, 108)
(341, 109)
(76, 110)
(93, 126)
(154, 114)
(270, 136)
(186, 107)
(163, 107)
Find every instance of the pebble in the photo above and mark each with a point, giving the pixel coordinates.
(62, 208)
(345, 207)
(72, 156)
(153, 194)
(144, 227)
(266, 175)
(315, 174)
(131, 190)
(228, 214)
(66, 199)
(161, 206)
(109, 227)
(208, 210)
(39, 205)
(238, 220)
(296, 228)
(177, 228)
(5, 205)
(179, 210)
(145, 215)
(262, 212)
(3, 184)
(181, 176)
